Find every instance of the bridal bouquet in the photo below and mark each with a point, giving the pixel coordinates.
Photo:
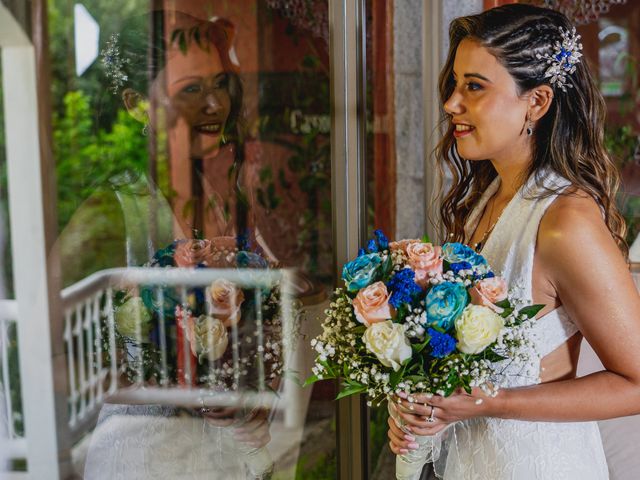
(205, 316)
(413, 317)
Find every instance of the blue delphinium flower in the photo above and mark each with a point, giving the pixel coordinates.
(372, 246)
(383, 241)
(403, 287)
(361, 272)
(442, 344)
(361, 252)
(456, 267)
(445, 302)
(458, 252)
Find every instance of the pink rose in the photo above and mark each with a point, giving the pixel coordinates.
(424, 259)
(402, 244)
(226, 299)
(488, 292)
(371, 305)
(191, 253)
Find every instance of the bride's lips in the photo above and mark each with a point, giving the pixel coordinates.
(462, 130)
(213, 129)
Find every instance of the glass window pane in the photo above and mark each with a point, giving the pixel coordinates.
(195, 135)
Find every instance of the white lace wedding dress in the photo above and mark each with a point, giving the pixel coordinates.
(497, 449)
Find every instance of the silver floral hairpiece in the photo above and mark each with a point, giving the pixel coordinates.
(562, 62)
(114, 64)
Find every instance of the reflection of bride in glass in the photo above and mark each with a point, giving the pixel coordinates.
(193, 107)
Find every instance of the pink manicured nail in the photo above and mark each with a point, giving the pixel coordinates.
(402, 395)
(413, 446)
(404, 450)
(411, 438)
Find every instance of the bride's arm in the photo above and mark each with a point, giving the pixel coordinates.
(594, 284)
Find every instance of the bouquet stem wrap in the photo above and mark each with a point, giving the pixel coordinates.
(259, 463)
(409, 466)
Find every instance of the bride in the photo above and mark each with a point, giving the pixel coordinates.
(534, 192)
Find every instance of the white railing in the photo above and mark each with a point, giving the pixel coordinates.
(12, 444)
(88, 310)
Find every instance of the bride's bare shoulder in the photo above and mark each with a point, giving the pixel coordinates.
(573, 227)
(572, 213)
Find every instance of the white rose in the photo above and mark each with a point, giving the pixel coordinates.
(207, 336)
(477, 328)
(131, 316)
(388, 342)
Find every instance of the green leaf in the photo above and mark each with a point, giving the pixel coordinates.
(351, 391)
(506, 312)
(196, 36)
(531, 311)
(311, 380)
(504, 303)
(418, 347)
(265, 174)
(182, 42)
(492, 356)
(174, 35)
(426, 239)
(359, 330)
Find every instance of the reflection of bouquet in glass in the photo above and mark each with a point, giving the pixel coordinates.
(211, 335)
(418, 318)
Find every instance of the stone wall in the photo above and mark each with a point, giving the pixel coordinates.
(409, 124)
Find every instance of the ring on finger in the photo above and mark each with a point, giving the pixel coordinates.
(431, 418)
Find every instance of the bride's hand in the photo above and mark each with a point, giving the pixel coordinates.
(417, 421)
(444, 410)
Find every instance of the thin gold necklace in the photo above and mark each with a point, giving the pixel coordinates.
(480, 245)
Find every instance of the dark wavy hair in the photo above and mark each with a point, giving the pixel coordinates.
(568, 139)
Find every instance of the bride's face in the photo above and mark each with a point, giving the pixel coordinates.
(488, 113)
(193, 93)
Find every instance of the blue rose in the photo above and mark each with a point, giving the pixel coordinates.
(458, 252)
(361, 272)
(445, 302)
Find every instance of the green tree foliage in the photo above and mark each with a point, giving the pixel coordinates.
(87, 158)
(111, 16)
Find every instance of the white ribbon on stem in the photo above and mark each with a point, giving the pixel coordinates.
(409, 466)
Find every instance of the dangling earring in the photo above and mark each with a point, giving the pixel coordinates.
(529, 126)
(145, 129)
